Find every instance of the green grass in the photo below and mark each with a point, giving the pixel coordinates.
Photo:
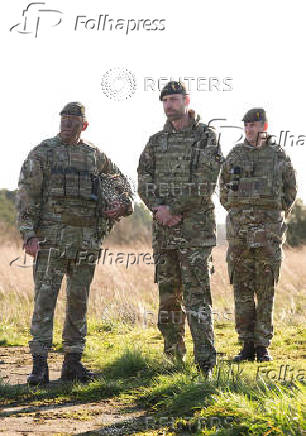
(239, 400)
(11, 336)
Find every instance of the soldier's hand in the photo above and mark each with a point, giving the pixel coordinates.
(164, 217)
(31, 247)
(162, 214)
(175, 219)
(117, 210)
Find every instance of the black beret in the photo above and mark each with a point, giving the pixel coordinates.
(256, 114)
(173, 88)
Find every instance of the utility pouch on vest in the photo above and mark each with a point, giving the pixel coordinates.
(256, 237)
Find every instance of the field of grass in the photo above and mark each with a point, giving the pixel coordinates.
(152, 394)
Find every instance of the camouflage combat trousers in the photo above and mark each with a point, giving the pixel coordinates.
(254, 271)
(48, 275)
(183, 277)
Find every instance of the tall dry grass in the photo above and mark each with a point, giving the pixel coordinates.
(129, 294)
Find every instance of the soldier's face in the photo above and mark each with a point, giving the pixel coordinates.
(254, 132)
(175, 106)
(71, 127)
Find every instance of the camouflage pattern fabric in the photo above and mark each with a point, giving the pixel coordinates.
(49, 270)
(254, 272)
(183, 277)
(111, 188)
(58, 203)
(57, 188)
(171, 313)
(258, 188)
(180, 169)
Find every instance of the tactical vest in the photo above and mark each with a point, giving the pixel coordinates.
(177, 156)
(255, 197)
(255, 178)
(69, 191)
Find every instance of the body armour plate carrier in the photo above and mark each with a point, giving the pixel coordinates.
(177, 156)
(69, 191)
(256, 178)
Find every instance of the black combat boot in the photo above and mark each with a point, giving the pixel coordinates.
(246, 353)
(73, 370)
(40, 371)
(263, 354)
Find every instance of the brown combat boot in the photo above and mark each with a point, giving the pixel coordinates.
(175, 351)
(40, 371)
(263, 354)
(204, 369)
(246, 353)
(73, 370)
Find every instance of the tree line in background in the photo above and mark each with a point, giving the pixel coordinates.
(296, 233)
(136, 229)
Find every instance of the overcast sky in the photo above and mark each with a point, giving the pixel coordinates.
(236, 55)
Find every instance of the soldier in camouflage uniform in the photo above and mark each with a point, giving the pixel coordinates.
(62, 224)
(177, 174)
(257, 187)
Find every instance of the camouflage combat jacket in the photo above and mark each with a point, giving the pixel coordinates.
(57, 198)
(180, 169)
(257, 187)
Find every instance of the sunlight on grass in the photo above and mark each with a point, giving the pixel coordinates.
(125, 348)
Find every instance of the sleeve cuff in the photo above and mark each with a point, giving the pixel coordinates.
(28, 235)
(175, 210)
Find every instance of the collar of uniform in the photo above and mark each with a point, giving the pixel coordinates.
(265, 143)
(193, 121)
(60, 142)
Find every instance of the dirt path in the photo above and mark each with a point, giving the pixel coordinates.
(104, 417)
